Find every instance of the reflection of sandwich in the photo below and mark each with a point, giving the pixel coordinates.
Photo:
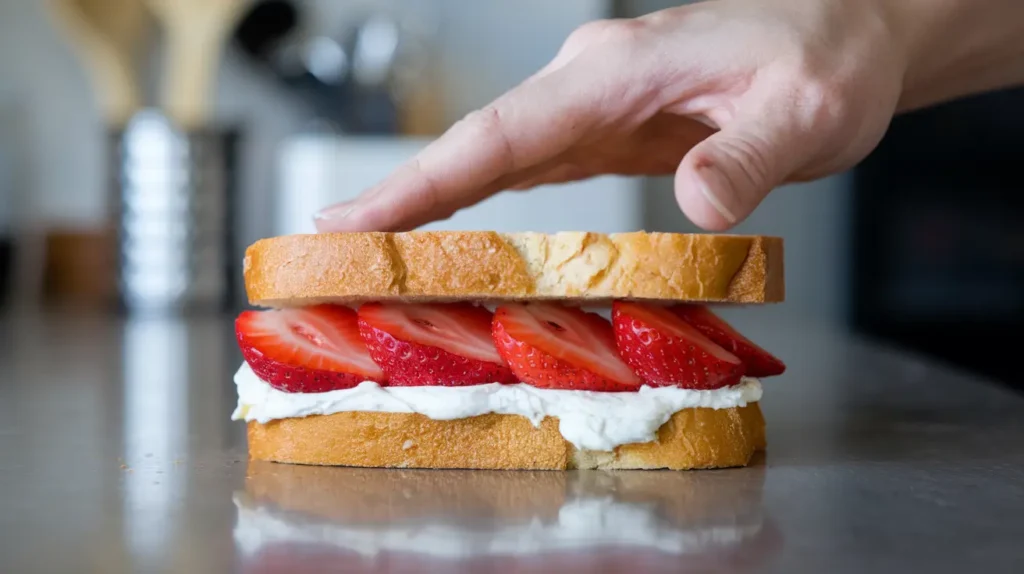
(471, 350)
(301, 518)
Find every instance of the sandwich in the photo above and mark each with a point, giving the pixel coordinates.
(311, 519)
(525, 351)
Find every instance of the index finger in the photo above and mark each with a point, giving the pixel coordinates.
(526, 126)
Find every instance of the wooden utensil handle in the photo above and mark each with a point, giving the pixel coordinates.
(115, 84)
(111, 69)
(193, 55)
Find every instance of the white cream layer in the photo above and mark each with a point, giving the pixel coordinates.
(584, 523)
(588, 420)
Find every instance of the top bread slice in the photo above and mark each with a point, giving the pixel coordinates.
(485, 266)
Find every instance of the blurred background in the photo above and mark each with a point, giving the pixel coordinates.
(145, 143)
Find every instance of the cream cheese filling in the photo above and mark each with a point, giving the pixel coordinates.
(589, 420)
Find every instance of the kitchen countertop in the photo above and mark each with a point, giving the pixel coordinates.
(117, 455)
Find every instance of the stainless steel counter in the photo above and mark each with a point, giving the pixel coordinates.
(117, 455)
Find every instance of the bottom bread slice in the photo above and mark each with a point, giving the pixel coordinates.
(691, 439)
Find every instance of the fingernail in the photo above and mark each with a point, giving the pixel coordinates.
(333, 214)
(711, 191)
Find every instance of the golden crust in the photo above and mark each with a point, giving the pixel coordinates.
(691, 439)
(482, 265)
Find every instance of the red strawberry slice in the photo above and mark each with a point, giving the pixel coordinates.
(442, 344)
(306, 350)
(556, 347)
(759, 363)
(664, 350)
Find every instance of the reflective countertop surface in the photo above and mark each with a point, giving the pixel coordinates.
(117, 455)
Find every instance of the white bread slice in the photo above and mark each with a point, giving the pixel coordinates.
(691, 439)
(580, 267)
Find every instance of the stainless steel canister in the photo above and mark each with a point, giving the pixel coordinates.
(173, 207)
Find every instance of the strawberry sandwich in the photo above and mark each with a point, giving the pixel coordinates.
(504, 351)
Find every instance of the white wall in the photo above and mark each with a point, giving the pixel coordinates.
(63, 135)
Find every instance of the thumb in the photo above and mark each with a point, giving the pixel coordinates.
(725, 177)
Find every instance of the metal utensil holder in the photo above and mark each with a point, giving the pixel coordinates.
(173, 206)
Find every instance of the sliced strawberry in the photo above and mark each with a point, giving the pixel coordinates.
(560, 348)
(664, 350)
(759, 363)
(448, 345)
(306, 350)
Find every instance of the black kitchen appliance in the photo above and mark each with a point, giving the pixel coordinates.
(938, 235)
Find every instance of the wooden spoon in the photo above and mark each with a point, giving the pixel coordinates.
(195, 32)
(110, 34)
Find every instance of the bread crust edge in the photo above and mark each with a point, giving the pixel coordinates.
(697, 438)
(593, 268)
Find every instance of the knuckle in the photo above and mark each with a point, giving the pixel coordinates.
(668, 17)
(588, 33)
(823, 99)
(826, 100)
(748, 160)
(488, 125)
(484, 122)
(627, 32)
(485, 119)
(430, 195)
(620, 31)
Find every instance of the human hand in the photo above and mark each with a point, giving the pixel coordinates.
(735, 97)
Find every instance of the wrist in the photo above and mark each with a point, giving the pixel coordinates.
(953, 48)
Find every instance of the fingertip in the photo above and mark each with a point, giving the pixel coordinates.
(351, 217)
(700, 204)
(332, 218)
(367, 212)
(359, 218)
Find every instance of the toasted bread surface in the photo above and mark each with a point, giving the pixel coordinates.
(579, 267)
